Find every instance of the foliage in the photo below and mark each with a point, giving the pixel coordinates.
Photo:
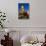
(2, 19)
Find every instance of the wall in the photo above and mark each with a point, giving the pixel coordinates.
(37, 19)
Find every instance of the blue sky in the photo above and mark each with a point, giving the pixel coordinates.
(26, 6)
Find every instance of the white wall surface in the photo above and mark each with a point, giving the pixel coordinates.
(37, 19)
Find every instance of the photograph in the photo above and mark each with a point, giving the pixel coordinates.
(22, 22)
(23, 10)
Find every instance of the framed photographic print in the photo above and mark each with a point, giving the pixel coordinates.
(23, 10)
